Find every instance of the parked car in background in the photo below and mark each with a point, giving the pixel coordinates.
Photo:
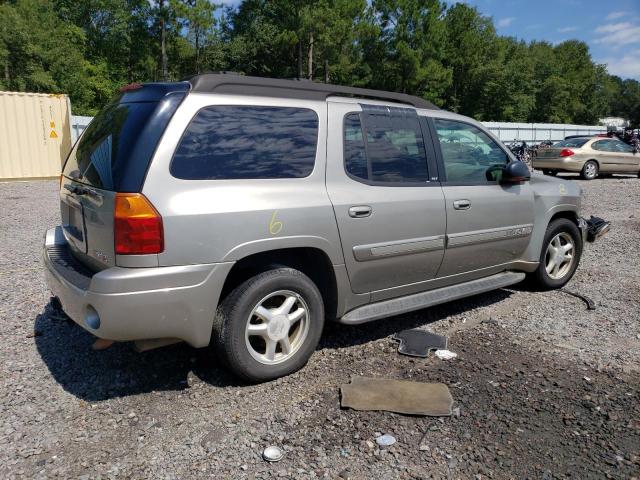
(589, 156)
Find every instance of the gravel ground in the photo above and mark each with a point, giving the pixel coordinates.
(545, 388)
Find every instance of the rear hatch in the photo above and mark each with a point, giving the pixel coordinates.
(112, 155)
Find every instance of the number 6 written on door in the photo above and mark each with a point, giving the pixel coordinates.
(275, 226)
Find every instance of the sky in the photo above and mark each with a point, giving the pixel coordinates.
(610, 28)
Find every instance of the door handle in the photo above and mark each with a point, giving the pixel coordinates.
(360, 211)
(462, 204)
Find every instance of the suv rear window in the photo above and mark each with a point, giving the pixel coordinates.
(102, 156)
(247, 142)
(393, 151)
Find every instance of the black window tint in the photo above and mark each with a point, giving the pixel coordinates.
(355, 158)
(244, 142)
(394, 151)
(101, 156)
(469, 154)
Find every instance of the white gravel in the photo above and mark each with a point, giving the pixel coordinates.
(544, 387)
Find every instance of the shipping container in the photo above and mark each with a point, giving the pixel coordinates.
(35, 134)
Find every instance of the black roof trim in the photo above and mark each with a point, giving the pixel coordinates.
(303, 89)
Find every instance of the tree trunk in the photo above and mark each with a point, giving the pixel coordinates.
(163, 42)
(299, 59)
(310, 56)
(197, 50)
(7, 77)
(326, 71)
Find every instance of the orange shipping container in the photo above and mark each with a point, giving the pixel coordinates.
(35, 134)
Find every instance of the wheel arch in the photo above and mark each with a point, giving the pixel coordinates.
(313, 262)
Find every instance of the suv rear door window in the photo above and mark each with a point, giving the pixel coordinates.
(247, 142)
(393, 152)
(469, 155)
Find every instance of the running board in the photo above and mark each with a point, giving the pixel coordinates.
(417, 301)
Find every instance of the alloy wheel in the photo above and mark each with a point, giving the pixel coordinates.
(277, 327)
(560, 256)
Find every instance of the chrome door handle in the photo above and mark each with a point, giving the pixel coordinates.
(462, 204)
(360, 211)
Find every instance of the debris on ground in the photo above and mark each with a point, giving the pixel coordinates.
(386, 440)
(445, 354)
(418, 343)
(272, 454)
(590, 303)
(400, 396)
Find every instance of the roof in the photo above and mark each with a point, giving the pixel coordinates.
(233, 83)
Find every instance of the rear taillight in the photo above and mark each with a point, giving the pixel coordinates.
(137, 225)
(566, 152)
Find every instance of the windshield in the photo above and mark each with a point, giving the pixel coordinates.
(572, 142)
(99, 158)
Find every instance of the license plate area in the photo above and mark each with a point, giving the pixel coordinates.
(73, 226)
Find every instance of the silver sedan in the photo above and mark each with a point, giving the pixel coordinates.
(589, 156)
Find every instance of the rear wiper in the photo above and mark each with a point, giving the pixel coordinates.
(82, 190)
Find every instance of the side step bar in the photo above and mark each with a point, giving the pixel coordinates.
(417, 301)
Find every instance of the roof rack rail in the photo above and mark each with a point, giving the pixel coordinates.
(233, 83)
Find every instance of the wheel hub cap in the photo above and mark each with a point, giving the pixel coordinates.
(277, 327)
(560, 256)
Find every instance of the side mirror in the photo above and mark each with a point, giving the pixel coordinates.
(515, 172)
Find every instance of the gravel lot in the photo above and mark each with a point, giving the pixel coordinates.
(545, 388)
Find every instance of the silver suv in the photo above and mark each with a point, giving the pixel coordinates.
(242, 212)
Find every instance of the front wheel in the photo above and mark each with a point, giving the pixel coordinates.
(269, 326)
(589, 170)
(560, 255)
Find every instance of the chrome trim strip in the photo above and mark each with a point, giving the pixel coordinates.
(363, 253)
(489, 235)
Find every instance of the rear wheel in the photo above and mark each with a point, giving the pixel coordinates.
(270, 325)
(551, 173)
(589, 170)
(560, 255)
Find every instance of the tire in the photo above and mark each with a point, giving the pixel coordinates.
(559, 231)
(551, 173)
(590, 170)
(241, 335)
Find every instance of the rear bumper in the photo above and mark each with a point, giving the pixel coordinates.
(135, 303)
(566, 164)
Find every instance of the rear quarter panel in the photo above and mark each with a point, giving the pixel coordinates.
(209, 221)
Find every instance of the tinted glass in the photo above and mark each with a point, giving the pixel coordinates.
(355, 159)
(394, 150)
(469, 154)
(100, 157)
(621, 147)
(572, 142)
(603, 146)
(234, 142)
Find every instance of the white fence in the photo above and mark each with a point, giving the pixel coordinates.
(531, 133)
(534, 133)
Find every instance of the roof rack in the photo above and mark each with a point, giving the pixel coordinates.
(233, 83)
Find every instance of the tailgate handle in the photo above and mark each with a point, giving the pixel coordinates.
(462, 204)
(360, 211)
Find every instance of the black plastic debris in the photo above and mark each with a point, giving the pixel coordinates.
(596, 228)
(418, 343)
(590, 303)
